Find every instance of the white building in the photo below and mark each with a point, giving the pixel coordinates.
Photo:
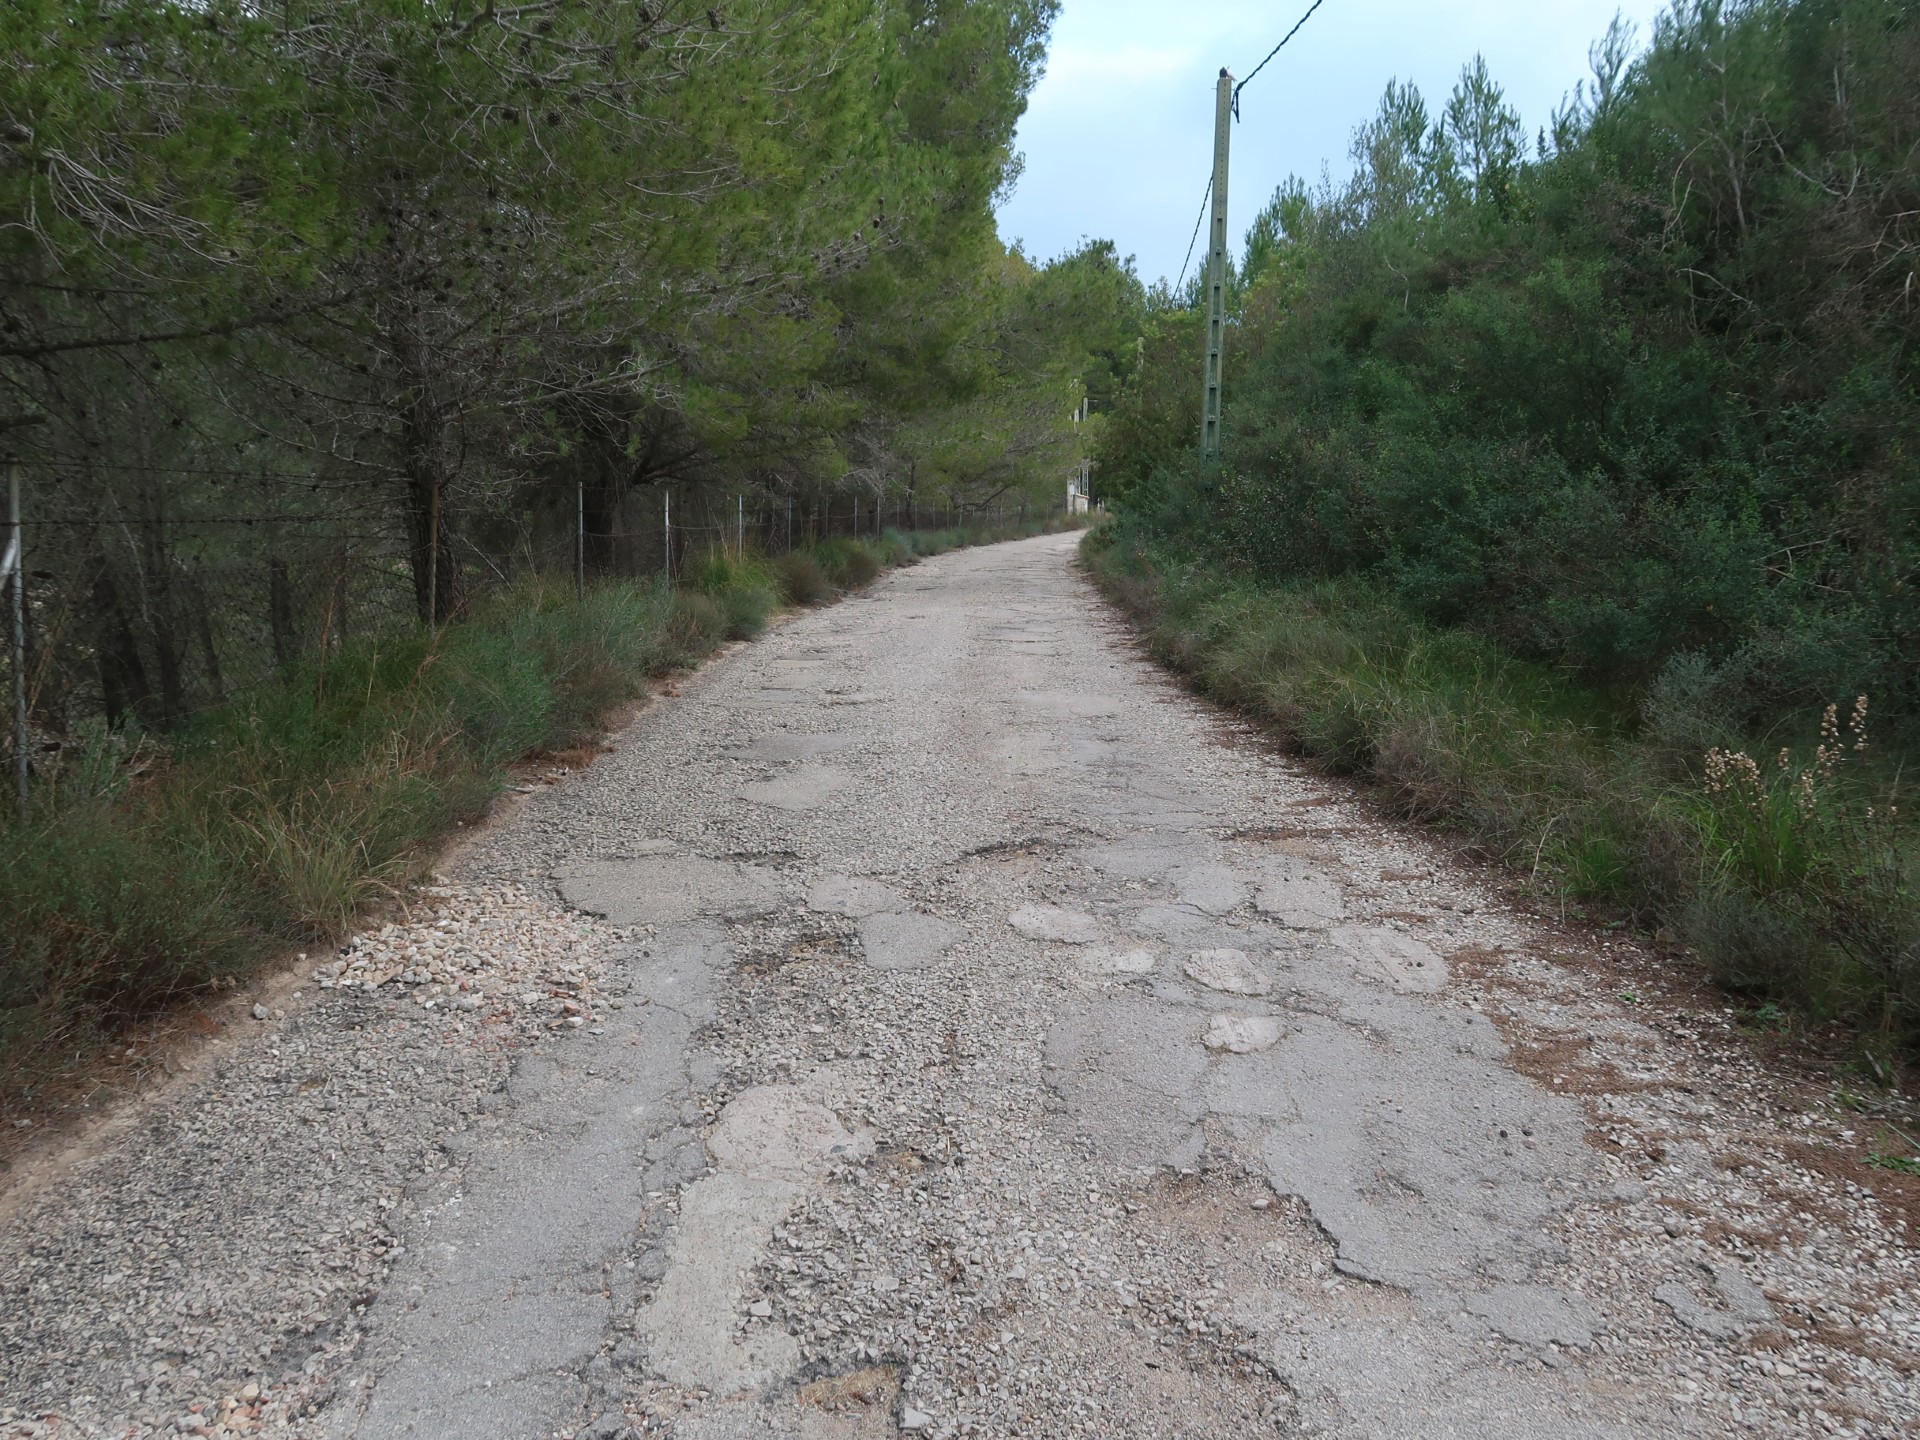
(1080, 488)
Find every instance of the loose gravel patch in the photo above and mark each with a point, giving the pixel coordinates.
(212, 1271)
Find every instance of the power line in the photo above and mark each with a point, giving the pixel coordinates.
(1273, 52)
(1205, 196)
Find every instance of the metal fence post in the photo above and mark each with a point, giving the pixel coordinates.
(740, 526)
(580, 540)
(666, 530)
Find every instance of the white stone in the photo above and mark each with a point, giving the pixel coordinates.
(1121, 962)
(1243, 1034)
(773, 1130)
(905, 942)
(1405, 963)
(1050, 922)
(850, 895)
(1232, 972)
(1300, 899)
(805, 787)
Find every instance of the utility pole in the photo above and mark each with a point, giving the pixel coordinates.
(1216, 271)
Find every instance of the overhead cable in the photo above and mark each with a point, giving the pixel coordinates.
(1273, 52)
(1206, 195)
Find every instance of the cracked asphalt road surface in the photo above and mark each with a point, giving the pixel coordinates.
(976, 1035)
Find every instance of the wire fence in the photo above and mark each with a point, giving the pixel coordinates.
(150, 616)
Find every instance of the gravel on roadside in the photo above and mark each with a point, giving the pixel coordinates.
(206, 1274)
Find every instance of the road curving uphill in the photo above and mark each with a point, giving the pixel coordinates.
(934, 1021)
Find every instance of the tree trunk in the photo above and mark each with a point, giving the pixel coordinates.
(209, 651)
(425, 473)
(124, 691)
(429, 519)
(159, 603)
(280, 614)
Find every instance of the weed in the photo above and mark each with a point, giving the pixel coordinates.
(850, 563)
(746, 588)
(803, 580)
(694, 626)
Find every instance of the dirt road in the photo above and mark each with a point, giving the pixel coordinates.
(932, 1020)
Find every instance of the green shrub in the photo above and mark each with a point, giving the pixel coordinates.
(496, 689)
(746, 589)
(695, 627)
(109, 916)
(803, 579)
(746, 610)
(849, 563)
(933, 542)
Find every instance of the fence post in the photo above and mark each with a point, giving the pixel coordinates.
(666, 524)
(740, 526)
(16, 570)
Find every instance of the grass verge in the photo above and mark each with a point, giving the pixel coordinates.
(1792, 875)
(154, 869)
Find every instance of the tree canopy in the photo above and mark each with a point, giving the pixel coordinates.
(1636, 395)
(407, 271)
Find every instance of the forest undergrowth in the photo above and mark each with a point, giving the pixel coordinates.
(159, 868)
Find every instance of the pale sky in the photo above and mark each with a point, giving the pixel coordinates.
(1119, 136)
